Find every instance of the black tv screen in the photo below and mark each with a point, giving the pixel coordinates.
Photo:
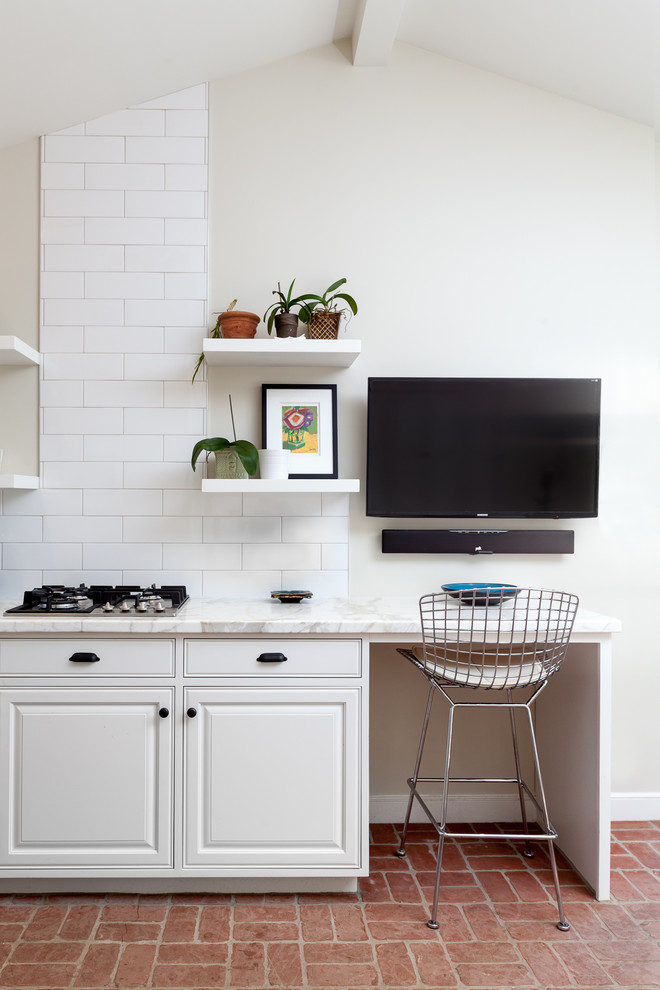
(483, 447)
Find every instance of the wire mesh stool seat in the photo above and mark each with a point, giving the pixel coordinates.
(485, 640)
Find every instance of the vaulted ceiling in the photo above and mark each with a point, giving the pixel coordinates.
(66, 61)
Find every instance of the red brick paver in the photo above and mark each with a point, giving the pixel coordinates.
(497, 928)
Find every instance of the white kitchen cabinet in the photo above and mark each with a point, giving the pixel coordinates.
(86, 775)
(272, 777)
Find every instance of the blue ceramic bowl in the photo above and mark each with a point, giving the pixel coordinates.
(481, 594)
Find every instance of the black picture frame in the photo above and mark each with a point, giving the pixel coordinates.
(321, 403)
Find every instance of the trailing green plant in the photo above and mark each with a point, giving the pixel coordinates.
(328, 301)
(215, 332)
(284, 304)
(247, 452)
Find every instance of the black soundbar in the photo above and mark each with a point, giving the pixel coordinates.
(478, 541)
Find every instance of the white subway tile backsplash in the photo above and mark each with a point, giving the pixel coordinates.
(55, 175)
(164, 421)
(334, 556)
(178, 231)
(186, 177)
(21, 529)
(162, 529)
(61, 340)
(322, 584)
(181, 395)
(267, 556)
(13, 583)
(165, 259)
(83, 258)
(63, 474)
(83, 529)
(282, 504)
(106, 394)
(241, 585)
(166, 150)
(124, 340)
(62, 285)
(122, 502)
(39, 555)
(127, 230)
(191, 579)
(186, 286)
(124, 285)
(73, 578)
(132, 121)
(122, 555)
(84, 367)
(184, 340)
(202, 556)
(193, 98)
(56, 447)
(335, 504)
(178, 448)
(83, 203)
(167, 313)
(165, 204)
(198, 503)
(78, 149)
(161, 367)
(254, 529)
(165, 475)
(62, 230)
(43, 502)
(75, 420)
(327, 529)
(122, 448)
(124, 176)
(186, 123)
(61, 393)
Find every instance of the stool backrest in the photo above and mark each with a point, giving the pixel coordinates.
(516, 641)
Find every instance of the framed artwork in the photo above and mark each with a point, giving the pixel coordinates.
(303, 420)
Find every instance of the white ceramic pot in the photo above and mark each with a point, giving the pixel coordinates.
(274, 464)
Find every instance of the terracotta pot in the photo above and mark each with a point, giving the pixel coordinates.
(238, 323)
(286, 324)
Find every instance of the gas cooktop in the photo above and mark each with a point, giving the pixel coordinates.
(101, 599)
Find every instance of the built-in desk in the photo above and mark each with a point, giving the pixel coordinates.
(573, 719)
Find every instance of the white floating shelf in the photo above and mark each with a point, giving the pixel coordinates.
(18, 481)
(290, 486)
(282, 351)
(13, 350)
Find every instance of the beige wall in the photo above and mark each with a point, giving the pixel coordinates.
(19, 303)
(486, 228)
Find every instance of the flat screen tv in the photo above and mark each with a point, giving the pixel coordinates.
(483, 447)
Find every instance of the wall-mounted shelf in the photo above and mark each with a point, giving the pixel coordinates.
(13, 350)
(18, 481)
(290, 486)
(281, 351)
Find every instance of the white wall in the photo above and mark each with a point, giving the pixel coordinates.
(486, 228)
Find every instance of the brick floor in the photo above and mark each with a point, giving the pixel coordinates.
(497, 928)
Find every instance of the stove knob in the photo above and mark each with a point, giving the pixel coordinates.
(125, 607)
(107, 607)
(159, 607)
(142, 606)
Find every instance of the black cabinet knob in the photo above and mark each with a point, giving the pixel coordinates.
(191, 712)
(163, 712)
(84, 658)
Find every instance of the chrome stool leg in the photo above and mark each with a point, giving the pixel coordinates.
(433, 920)
(527, 851)
(412, 782)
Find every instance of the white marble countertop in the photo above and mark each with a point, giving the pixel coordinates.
(358, 616)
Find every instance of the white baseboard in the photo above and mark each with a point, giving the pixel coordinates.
(625, 807)
(628, 806)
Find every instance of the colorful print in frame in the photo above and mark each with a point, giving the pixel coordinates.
(303, 420)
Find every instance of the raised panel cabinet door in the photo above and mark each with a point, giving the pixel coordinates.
(273, 778)
(86, 776)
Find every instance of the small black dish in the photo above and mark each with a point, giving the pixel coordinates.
(481, 594)
(292, 597)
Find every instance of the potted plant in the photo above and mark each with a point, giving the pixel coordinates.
(323, 317)
(280, 312)
(233, 458)
(231, 323)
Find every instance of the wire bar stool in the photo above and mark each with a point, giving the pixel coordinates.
(484, 640)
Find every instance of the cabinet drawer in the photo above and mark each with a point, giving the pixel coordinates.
(304, 658)
(52, 658)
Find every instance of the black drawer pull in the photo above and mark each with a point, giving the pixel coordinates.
(163, 712)
(271, 658)
(84, 658)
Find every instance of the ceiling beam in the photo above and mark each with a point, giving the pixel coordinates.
(375, 29)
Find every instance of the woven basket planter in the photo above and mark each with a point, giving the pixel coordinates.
(323, 325)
